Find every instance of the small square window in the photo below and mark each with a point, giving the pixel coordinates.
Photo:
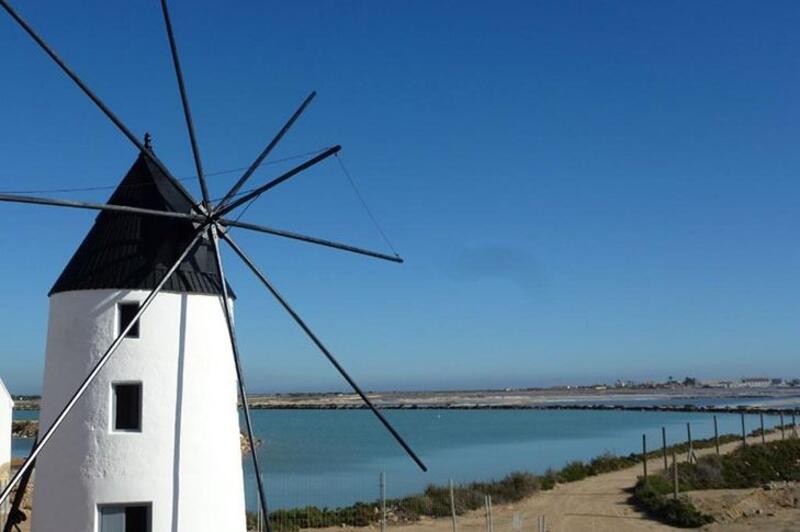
(127, 407)
(127, 311)
(124, 518)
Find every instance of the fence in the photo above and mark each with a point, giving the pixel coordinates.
(385, 504)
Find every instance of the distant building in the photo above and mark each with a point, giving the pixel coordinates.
(719, 384)
(756, 382)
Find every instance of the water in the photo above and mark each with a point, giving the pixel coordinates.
(331, 458)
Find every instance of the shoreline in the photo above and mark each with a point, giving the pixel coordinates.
(628, 408)
(740, 409)
(775, 400)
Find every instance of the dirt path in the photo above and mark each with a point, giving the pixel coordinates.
(599, 503)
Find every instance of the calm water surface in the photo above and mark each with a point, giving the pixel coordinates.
(334, 457)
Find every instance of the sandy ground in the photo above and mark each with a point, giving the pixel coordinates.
(772, 509)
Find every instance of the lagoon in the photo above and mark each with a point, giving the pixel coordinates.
(331, 458)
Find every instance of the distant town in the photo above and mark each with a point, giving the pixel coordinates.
(690, 382)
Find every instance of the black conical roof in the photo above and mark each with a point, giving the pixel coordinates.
(130, 251)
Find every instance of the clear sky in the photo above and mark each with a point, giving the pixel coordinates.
(582, 190)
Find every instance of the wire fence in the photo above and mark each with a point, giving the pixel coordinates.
(470, 505)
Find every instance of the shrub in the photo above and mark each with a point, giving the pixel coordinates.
(608, 462)
(653, 496)
(549, 479)
(573, 471)
(744, 468)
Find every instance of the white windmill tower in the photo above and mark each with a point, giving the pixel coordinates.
(139, 419)
(159, 425)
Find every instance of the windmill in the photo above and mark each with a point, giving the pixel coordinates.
(175, 261)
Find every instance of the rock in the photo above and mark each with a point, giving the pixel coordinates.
(27, 428)
(244, 442)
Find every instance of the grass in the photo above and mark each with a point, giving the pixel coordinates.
(746, 467)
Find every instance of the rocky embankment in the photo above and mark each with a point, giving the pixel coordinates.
(24, 429)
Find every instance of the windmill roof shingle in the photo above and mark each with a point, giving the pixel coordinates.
(133, 251)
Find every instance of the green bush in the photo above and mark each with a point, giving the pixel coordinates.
(573, 471)
(746, 467)
(549, 479)
(608, 462)
(653, 496)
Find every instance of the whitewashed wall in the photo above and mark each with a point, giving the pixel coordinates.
(187, 459)
(6, 412)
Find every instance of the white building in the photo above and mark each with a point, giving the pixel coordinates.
(154, 444)
(6, 412)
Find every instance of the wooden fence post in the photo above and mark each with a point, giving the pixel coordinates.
(783, 428)
(491, 518)
(453, 506)
(644, 455)
(674, 474)
(716, 435)
(690, 451)
(744, 434)
(383, 502)
(763, 434)
(487, 502)
(664, 447)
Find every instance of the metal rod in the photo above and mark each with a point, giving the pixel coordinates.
(453, 506)
(99, 103)
(716, 435)
(34, 200)
(44, 438)
(187, 112)
(794, 422)
(763, 434)
(323, 349)
(223, 210)
(313, 240)
(664, 447)
(240, 377)
(263, 155)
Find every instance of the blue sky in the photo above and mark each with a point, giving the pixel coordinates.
(582, 190)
